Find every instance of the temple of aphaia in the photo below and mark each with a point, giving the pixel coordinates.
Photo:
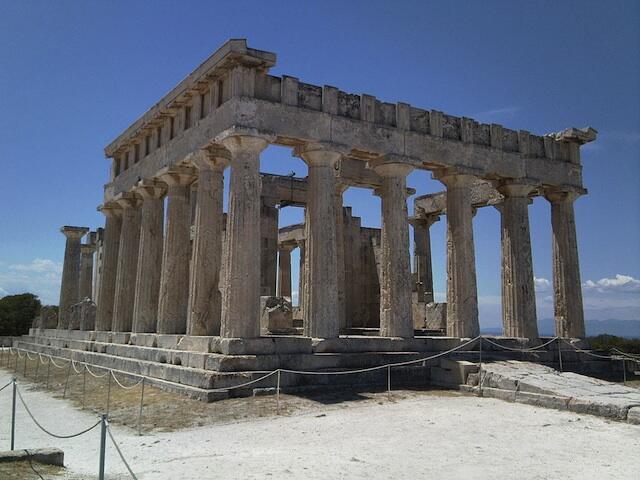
(172, 284)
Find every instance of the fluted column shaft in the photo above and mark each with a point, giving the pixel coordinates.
(284, 271)
(396, 318)
(205, 305)
(340, 257)
(70, 286)
(149, 265)
(462, 292)
(174, 279)
(127, 265)
(302, 277)
(241, 294)
(111, 246)
(86, 271)
(422, 258)
(268, 245)
(569, 313)
(321, 266)
(518, 293)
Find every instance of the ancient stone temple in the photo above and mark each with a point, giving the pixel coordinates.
(173, 271)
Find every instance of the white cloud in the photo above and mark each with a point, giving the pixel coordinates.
(620, 283)
(38, 265)
(541, 284)
(41, 276)
(504, 112)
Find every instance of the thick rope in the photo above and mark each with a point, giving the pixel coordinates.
(524, 350)
(124, 386)
(115, 444)
(93, 374)
(6, 385)
(47, 431)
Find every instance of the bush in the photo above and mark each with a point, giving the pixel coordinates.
(17, 313)
(607, 342)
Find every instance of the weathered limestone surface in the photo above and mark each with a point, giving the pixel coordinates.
(268, 245)
(149, 265)
(518, 293)
(48, 317)
(87, 314)
(423, 270)
(127, 264)
(86, 269)
(462, 296)
(569, 313)
(205, 306)
(321, 270)
(396, 318)
(112, 228)
(241, 295)
(340, 256)
(70, 287)
(276, 315)
(174, 280)
(284, 270)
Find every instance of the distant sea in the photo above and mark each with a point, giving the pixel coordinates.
(620, 328)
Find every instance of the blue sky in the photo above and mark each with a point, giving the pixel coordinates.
(75, 74)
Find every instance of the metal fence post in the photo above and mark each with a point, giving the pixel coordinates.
(66, 383)
(84, 384)
(560, 354)
(389, 382)
(35, 379)
(24, 371)
(480, 368)
(13, 415)
(141, 404)
(624, 371)
(278, 394)
(108, 392)
(103, 446)
(48, 371)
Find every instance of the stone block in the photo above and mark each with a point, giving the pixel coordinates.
(436, 316)
(120, 337)
(276, 315)
(144, 339)
(541, 400)
(103, 337)
(47, 456)
(609, 410)
(506, 395)
(168, 341)
(262, 345)
(633, 415)
(195, 344)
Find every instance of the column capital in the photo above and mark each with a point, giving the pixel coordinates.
(423, 220)
(110, 209)
(517, 187)
(238, 139)
(213, 158)
(391, 166)
(149, 188)
(321, 154)
(74, 232)
(457, 177)
(87, 248)
(559, 194)
(176, 176)
(127, 200)
(287, 247)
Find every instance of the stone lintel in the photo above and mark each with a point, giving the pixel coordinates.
(238, 131)
(576, 135)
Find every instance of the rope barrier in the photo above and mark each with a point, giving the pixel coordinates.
(123, 386)
(73, 364)
(47, 431)
(523, 350)
(93, 374)
(115, 444)
(6, 385)
(628, 355)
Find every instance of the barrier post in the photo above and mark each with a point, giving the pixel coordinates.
(624, 371)
(24, 370)
(15, 368)
(13, 415)
(84, 384)
(141, 404)
(103, 445)
(48, 371)
(278, 394)
(108, 392)
(388, 382)
(560, 354)
(480, 368)
(66, 383)
(37, 368)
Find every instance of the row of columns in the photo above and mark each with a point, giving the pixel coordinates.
(147, 284)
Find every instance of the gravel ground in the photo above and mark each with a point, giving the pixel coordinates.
(413, 435)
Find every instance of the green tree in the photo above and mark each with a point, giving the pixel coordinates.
(17, 313)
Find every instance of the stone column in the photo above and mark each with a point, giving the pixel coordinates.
(284, 270)
(569, 314)
(340, 257)
(111, 246)
(174, 279)
(149, 265)
(204, 294)
(241, 294)
(396, 318)
(518, 293)
(301, 277)
(127, 264)
(268, 245)
(462, 292)
(321, 270)
(86, 270)
(422, 257)
(70, 286)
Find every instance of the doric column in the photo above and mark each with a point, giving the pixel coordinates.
(462, 293)
(268, 245)
(569, 314)
(149, 265)
(301, 277)
(396, 318)
(284, 270)
(204, 294)
(241, 293)
(518, 293)
(174, 279)
(321, 270)
(111, 246)
(422, 257)
(127, 263)
(70, 286)
(340, 257)
(87, 251)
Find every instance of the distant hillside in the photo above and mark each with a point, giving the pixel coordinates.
(620, 328)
